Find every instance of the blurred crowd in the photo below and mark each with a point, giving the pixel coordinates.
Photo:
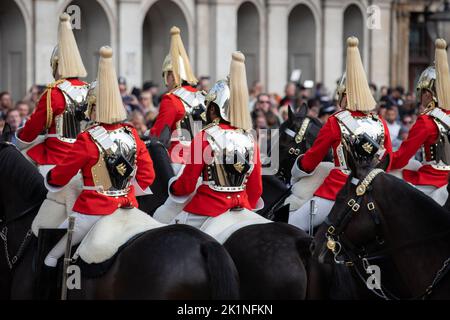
(268, 110)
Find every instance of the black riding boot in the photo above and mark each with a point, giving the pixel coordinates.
(46, 277)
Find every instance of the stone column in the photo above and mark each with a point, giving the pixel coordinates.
(46, 37)
(277, 46)
(399, 72)
(380, 45)
(202, 38)
(333, 44)
(131, 19)
(225, 38)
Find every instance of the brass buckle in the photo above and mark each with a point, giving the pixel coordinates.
(331, 229)
(352, 203)
(294, 151)
(371, 206)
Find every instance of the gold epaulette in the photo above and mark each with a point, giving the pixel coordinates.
(210, 125)
(48, 91)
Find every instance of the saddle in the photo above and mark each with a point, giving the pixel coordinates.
(223, 226)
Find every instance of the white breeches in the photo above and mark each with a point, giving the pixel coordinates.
(191, 219)
(83, 223)
(170, 209)
(301, 218)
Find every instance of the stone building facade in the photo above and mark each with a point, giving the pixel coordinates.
(277, 37)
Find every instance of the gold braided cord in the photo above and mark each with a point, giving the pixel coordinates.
(48, 91)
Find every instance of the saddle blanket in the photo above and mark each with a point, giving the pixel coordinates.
(224, 225)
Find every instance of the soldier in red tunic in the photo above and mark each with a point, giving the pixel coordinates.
(181, 110)
(430, 132)
(58, 113)
(114, 163)
(356, 119)
(182, 107)
(225, 155)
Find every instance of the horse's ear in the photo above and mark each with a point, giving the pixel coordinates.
(165, 136)
(291, 114)
(6, 133)
(303, 111)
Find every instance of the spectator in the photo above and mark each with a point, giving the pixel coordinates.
(137, 120)
(5, 103)
(255, 91)
(148, 109)
(13, 120)
(24, 111)
(289, 95)
(33, 95)
(130, 102)
(392, 123)
(204, 84)
(325, 113)
(272, 120)
(153, 89)
(263, 102)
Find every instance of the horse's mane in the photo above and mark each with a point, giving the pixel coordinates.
(416, 198)
(342, 284)
(22, 186)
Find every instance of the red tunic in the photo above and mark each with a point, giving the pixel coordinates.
(424, 133)
(330, 136)
(84, 155)
(52, 150)
(207, 201)
(171, 110)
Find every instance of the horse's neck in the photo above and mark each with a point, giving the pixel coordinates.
(409, 222)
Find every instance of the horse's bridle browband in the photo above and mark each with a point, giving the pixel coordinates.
(341, 246)
(299, 137)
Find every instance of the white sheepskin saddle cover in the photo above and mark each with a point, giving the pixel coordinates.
(303, 190)
(439, 195)
(111, 232)
(224, 225)
(58, 205)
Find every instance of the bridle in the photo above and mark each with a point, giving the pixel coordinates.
(13, 260)
(346, 253)
(294, 151)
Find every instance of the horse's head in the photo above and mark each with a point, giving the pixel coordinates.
(297, 135)
(353, 227)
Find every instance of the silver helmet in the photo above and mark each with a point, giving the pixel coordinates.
(341, 88)
(219, 94)
(54, 60)
(427, 81)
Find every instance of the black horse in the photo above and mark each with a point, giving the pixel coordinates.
(173, 262)
(157, 148)
(296, 135)
(392, 226)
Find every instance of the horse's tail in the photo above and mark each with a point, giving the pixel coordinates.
(222, 272)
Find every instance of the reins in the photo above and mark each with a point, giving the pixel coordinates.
(339, 245)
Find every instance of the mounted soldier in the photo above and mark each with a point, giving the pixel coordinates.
(224, 154)
(182, 110)
(357, 121)
(114, 163)
(430, 132)
(59, 112)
